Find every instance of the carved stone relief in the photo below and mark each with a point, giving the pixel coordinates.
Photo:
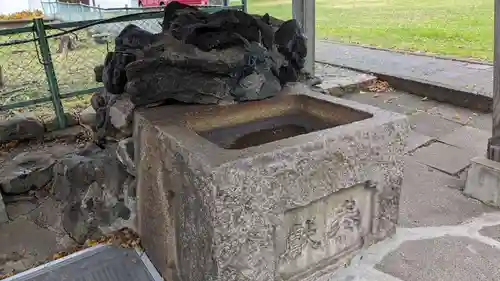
(316, 235)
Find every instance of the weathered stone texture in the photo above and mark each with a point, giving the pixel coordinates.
(208, 213)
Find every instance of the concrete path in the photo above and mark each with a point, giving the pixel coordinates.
(466, 80)
(443, 235)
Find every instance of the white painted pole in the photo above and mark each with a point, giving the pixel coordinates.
(304, 12)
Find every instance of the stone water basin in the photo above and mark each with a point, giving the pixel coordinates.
(288, 188)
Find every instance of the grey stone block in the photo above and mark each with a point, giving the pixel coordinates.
(444, 259)
(469, 138)
(483, 181)
(443, 157)
(293, 208)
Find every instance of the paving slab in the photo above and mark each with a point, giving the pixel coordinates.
(468, 138)
(443, 259)
(433, 126)
(17, 209)
(491, 232)
(444, 157)
(452, 113)
(416, 140)
(25, 242)
(481, 121)
(430, 198)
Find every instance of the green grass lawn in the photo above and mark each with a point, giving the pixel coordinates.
(462, 28)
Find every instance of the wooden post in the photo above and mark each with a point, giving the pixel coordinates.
(304, 12)
(494, 142)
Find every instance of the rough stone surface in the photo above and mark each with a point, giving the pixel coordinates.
(468, 138)
(444, 259)
(235, 207)
(21, 127)
(3, 212)
(443, 157)
(428, 198)
(92, 188)
(491, 232)
(432, 126)
(483, 181)
(26, 172)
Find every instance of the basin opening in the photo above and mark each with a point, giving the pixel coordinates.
(252, 124)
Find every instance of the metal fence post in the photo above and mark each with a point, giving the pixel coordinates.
(49, 71)
(304, 12)
(244, 4)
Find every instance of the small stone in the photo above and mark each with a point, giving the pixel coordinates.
(121, 114)
(26, 172)
(23, 126)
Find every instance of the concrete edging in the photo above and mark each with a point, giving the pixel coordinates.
(437, 92)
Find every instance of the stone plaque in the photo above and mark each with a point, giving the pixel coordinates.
(321, 233)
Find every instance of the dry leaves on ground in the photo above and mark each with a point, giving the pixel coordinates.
(379, 86)
(125, 238)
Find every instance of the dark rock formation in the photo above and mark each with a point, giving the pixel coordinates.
(206, 58)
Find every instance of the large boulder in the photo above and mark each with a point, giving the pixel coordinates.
(23, 126)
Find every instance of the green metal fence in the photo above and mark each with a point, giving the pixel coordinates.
(35, 70)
